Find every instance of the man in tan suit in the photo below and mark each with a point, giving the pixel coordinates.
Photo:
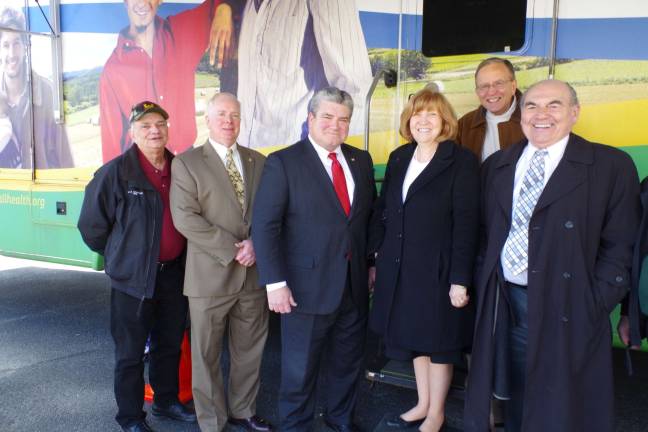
(212, 192)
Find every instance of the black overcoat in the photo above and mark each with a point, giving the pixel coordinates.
(581, 236)
(426, 243)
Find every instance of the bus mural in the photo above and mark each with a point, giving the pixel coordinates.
(71, 69)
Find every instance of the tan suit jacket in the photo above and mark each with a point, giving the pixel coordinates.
(220, 290)
(206, 211)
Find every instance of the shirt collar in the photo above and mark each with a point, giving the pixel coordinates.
(554, 151)
(148, 167)
(322, 152)
(222, 149)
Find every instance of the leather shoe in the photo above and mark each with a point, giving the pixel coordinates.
(342, 427)
(138, 427)
(251, 424)
(175, 411)
(397, 422)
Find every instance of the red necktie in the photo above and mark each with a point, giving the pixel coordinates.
(339, 183)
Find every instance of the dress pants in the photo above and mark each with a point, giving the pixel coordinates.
(131, 321)
(334, 342)
(518, 335)
(245, 315)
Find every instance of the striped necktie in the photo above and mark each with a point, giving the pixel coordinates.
(516, 248)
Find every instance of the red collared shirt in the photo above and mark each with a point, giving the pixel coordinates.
(167, 78)
(172, 243)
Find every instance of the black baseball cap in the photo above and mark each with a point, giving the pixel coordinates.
(146, 107)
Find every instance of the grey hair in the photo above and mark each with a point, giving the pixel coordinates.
(330, 94)
(573, 97)
(496, 60)
(216, 96)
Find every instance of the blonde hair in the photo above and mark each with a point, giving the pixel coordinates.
(429, 100)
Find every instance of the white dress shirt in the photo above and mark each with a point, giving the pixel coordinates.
(555, 153)
(288, 49)
(414, 169)
(222, 153)
(491, 138)
(328, 163)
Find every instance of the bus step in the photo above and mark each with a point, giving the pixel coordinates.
(401, 374)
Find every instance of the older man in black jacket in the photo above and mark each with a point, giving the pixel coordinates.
(126, 218)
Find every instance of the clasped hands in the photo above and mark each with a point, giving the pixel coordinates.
(245, 255)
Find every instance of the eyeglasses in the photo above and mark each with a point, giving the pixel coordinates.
(497, 85)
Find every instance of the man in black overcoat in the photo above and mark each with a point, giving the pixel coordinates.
(559, 215)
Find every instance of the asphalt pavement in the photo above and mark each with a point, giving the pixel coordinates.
(56, 360)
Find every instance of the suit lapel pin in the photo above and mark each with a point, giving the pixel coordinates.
(352, 159)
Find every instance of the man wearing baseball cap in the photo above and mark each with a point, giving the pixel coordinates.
(126, 218)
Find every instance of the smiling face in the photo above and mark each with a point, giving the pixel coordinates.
(329, 127)
(12, 54)
(495, 88)
(224, 119)
(150, 132)
(426, 126)
(548, 113)
(141, 13)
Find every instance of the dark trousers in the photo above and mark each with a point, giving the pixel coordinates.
(131, 321)
(334, 342)
(518, 335)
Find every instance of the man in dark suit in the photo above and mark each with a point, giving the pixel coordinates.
(560, 215)
(310, 235)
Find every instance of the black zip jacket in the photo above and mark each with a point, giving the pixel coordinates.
(121, 218)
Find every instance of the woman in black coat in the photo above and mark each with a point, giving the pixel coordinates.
(426, 222)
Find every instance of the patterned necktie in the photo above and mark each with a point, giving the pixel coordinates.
(235, 177)
(516, 257)
(339, 183)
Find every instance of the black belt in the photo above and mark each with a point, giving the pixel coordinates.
(161, 265)
(514, 285)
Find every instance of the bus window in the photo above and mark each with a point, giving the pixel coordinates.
(50, 140)
(30, 136)
(472, 26)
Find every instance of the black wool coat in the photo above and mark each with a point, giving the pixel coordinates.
(425, 244)
(581, 237)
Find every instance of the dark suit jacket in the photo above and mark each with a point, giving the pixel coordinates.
(301, 234)
(428, 242)
(631, 305)
(581, 236)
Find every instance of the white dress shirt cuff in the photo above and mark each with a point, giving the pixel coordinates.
(276, 286)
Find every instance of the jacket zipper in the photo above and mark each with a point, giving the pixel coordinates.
(148, 262)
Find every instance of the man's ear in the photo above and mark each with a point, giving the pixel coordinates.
(575, 112)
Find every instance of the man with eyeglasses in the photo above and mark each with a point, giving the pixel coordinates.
(495, 124)
(126, 217)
